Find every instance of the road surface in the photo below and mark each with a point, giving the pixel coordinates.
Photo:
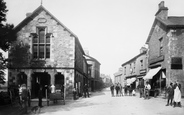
(101, 103)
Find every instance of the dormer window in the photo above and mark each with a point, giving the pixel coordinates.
(41, 44)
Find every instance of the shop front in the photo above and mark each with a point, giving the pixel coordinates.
(157, 80)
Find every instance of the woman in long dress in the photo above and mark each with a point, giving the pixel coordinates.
(177, 95)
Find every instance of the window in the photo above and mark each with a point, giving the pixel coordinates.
(130, 69)
(176, 63)
(161, 46)
(134, 67)
(124, 70)
(41, 44)
(141, 61)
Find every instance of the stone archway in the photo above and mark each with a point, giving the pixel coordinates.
(39, 79)
(59, 82)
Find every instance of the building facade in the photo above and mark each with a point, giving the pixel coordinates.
(135, 69)
(166, 51)
(118, 78)
(107, 81)
(94, 73)
(46, 53)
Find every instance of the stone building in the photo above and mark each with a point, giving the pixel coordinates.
(132, 71)
(107, 81)
(118, 78)
(46, 52)
(166, 51)
(135, 69)
(93, 72)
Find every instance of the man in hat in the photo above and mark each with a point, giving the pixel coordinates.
(170, 92)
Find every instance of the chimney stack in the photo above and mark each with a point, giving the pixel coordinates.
(162, 11)
(161, 5)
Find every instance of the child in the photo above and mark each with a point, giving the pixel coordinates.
(133, 92)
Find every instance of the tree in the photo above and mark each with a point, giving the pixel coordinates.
(2, 66)
(6, 37)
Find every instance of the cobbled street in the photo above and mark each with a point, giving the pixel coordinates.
(101, 103)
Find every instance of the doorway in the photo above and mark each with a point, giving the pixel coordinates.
(39, 79)
(59, 82)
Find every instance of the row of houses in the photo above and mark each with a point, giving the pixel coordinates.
(162, 62)
(47, 53)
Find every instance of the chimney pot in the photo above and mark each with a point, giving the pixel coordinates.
(28, 14)
(161, 5)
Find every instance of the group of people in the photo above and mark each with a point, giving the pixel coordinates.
(144, 90)
(25, 96)
(121, 91)
(174, 94)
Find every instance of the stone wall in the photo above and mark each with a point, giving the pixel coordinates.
(175, 49)
(62, 43)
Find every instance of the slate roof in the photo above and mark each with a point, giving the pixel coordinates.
(133, 59)
(91, 58)
(171, 22)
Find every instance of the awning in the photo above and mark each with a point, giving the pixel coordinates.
(130, 81)
(163, 75)
(151, 73)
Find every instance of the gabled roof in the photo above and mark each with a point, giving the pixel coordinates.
(133, 59)
(171, 22)
(35, 13)
(91, 58)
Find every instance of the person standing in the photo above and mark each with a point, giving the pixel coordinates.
(24, 96)
(141, 88)
(177, 94)
(170, 92)
(20, 96)
(86, 91)
(126, 90)
(117, 90)
(120, 90)
(53, 90)
(147, 90)
(130, 90)
(40, 97)
(29, 97)
(112, 90)
(74, 94)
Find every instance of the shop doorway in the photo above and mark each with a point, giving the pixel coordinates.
(39, 79)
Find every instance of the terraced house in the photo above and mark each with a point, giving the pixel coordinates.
(46, 52)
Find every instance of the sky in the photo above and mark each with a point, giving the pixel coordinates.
(112, 30)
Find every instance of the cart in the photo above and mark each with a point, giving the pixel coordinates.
(58, 95)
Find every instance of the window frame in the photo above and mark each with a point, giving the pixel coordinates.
(176, 63)
(46, 44)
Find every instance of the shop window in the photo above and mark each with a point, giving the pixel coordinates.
(176, 63)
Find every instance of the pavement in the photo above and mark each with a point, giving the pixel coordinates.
(102, 103)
